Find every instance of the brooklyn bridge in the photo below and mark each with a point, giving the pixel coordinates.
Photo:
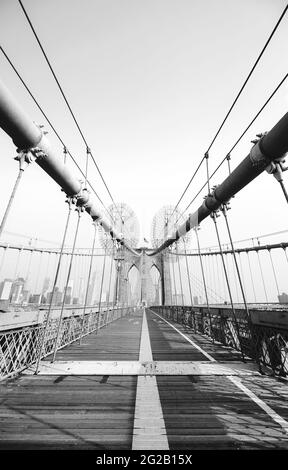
(118, 336)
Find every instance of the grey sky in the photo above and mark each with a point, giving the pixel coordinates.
(150, 82)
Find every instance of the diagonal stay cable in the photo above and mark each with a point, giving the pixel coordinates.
(184, 192)
(237, 142)
(66, 100)
(249, 76)
(236, 99)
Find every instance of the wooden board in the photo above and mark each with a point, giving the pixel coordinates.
(119, 340)
(67, 412)
(211, 413)
(97, 412)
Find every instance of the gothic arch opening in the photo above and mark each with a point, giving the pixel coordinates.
(134, 286)
(156, 290)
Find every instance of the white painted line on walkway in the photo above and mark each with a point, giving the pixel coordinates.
(277, 418)
(149, 431)
(187, 339)
(236, 381)
(145, 352)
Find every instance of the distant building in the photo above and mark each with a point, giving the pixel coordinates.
(81, 291)
(35, 299)
(46, 285)
(195, 300)
(25, 296)
(283, 298)
(5, 289)
(16, 291)
(178, 299)
(69, 292)
(57, 297)
(91, 289)
(68, 295)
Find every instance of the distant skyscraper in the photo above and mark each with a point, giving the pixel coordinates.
(71, 285)
(178, 299)
(57, 297)
(5, 293)
(91, 289)
(80, 299)
(283, 298)
(46, 285)
(69, 292)
(16, 290)
(68, 295)
(35, 298)
(25, 295)
(5, 289)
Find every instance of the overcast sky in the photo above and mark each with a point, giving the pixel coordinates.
(149, 82)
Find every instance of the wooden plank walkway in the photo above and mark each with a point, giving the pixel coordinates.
(120, 340)
(67, 412)
(197, 411)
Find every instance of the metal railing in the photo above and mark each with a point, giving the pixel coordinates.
(263, 338)
(20, 347)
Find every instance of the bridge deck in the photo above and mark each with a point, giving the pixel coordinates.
(208, 400)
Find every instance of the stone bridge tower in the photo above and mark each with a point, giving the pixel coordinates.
(144, 263)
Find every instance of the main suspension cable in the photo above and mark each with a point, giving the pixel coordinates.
(51, 125)
(248, 76)
(236, 143)
(65, 99)
(236, 99)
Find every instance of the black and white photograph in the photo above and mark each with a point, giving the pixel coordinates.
(143, 231)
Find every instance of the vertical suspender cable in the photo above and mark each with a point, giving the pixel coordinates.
(174, 282)
(22, 163)
(224, 211)
(101, 287)
(204, 281)
(109, 286)
(88, 283)
(201, 265)
(38, 273)
(274, 273)
(47, 270)
(54, 286)
(79, 211)
(242, 274)
(251, 276)
(214, 217)
(17, 262)
(29, 265)
(4, 257)
(180, 276)
(188, 273)
(222, 280)
(262, 276)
